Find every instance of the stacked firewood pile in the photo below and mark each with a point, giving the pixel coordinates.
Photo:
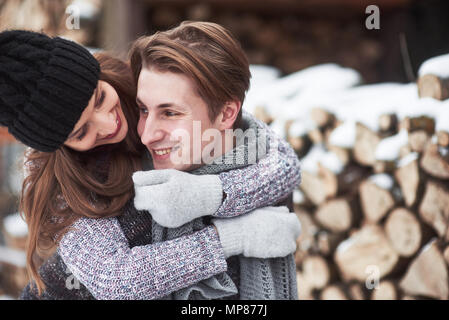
(72, 19)
(375, 212)
(13, 274)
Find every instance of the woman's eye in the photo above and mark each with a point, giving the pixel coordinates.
(82, 134)
(101, 100)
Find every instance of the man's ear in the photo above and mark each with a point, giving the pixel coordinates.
(229, 114)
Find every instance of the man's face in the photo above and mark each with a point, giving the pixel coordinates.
(169, 105)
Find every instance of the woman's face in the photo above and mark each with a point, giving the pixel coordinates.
(102, 122)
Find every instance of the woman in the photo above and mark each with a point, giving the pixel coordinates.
(64, 182)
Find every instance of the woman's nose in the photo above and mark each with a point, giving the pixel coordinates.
(105, 123)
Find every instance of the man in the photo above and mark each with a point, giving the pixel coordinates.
(192, 82)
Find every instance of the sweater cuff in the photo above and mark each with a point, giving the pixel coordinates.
(212, 249)
(230, 237)
(212, 187)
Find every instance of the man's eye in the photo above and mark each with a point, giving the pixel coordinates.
(170, 114)
(143, 111)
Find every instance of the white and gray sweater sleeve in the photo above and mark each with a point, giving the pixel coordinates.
(262, 184)
(98, 254)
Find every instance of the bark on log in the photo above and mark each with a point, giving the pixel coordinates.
(388, 124)
(430, 85)
(427, 275)
(404, 232)
(412, 124)
(367, 247)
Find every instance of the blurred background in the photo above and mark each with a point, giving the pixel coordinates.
(362, 109)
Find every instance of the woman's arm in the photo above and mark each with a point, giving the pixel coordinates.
(98, 254)
(262, 184)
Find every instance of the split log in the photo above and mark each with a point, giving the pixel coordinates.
(306, 239)
(322, 118)
(367, 247)
(365, 145)
(316, 136)
(343, 154)
(443, 138)
(337, 215)
(433, 162)
(386, 291)
(409, 180)
(404, 232)
(261, 113)
(383, 166)
(418, 140)
(356, 292)
(430, 85)
(13, 265)
(333, 292)
(434, 208)
(15, 231)
(304, 288)
(329, 180)
(388, 125)
(412, 124)
(327, 242)
(313, 188)
(316, 270)
(375, 201)
(427, 274)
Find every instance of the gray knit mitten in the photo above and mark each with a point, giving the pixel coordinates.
(174, 198)
(269, 232)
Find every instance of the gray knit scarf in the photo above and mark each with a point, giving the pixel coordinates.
(259, 279)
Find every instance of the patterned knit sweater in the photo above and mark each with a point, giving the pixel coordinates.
(115, 258)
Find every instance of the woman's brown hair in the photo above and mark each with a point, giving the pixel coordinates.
(64, 185)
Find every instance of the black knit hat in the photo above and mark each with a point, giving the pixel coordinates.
(45, 85)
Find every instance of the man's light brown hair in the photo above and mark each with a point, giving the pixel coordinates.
(205, 52)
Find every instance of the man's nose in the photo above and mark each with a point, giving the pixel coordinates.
(152, 131)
